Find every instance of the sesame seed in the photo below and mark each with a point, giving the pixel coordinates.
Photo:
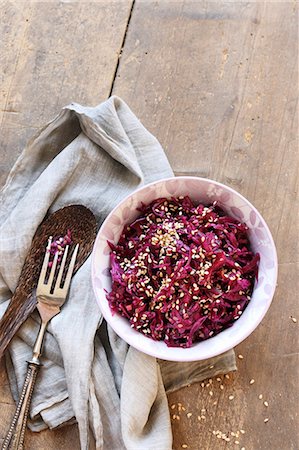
(251, 381)
(237, 442)
(218, 379)
(221, 387)
(243, 448)
(240, 356)
(211, 393)
(242, 431)
(294, 319)
(199, 418)
(172, 406)
(266, 404)
(184, 446)
(260, 396)
(227, 376)
(211, 367)
(189, 415)
(231, 397)
(266, 420)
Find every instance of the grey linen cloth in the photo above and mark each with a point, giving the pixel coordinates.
(95, 157)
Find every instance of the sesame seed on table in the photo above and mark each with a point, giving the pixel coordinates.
(216, 83)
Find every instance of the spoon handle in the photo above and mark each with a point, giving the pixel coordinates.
(12, 319)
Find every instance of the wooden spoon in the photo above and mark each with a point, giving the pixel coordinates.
(82, 223)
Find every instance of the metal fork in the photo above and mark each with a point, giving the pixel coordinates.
(49, 302)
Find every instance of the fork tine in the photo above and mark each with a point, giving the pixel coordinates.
(52, 273)
(62, 266)
(70, 270)
(43, 272)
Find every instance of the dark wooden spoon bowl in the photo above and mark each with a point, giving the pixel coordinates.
(82, 223)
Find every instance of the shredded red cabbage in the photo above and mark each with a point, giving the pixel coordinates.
(58, 245)
(182, 273)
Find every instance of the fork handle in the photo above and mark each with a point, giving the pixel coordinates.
(14, 439)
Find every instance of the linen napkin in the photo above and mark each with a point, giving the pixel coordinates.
(93, 156)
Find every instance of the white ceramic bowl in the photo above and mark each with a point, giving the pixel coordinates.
(205, 191)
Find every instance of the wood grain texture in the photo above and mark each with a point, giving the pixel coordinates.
(51, 53)
(216, 82)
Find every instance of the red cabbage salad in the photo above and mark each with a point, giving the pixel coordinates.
(58, 245)
(181, 273)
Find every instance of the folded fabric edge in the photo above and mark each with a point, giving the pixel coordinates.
(39, 423)
(201, 377)
(52, 404)
(177, 375)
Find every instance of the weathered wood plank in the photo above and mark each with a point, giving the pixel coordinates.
(216, 82)
(52, 53)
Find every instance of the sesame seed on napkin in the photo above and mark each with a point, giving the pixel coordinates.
(93, 156)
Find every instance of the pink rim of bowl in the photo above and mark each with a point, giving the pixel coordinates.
(206, 191)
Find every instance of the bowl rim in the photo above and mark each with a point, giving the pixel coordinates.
(188, 356)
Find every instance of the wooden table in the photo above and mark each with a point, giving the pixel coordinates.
(216, 82)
